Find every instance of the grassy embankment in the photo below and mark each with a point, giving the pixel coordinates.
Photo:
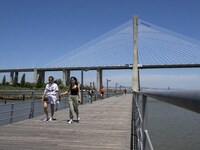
(13, 88)
(16, 92)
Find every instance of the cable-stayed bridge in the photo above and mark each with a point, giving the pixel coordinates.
(156, 46)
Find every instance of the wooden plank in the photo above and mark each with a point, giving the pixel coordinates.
(105, 124)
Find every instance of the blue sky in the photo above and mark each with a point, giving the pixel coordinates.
(33, 32)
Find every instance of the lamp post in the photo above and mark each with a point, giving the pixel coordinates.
(116, 85)
(107, 86)
(82, 86)
(93, 86)
(82, 83)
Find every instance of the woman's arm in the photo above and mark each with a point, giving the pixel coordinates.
(65, 92)
(57, 95)
(57, 92)
(44, 93)
(79, 93)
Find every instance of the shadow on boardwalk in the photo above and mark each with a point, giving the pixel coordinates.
(104, 125)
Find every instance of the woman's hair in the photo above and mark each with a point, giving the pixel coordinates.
(76, 81)
(51, 77)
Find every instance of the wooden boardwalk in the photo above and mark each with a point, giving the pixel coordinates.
(104, 125)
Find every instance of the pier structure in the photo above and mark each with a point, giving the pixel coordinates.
(105, 124)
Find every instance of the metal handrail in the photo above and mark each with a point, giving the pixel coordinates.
(5, 119)
(14, 117)
(148, 140)
(13, 109)
(140, 134)
(22, 109)
(187, 99)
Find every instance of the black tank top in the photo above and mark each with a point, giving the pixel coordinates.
(74, 91)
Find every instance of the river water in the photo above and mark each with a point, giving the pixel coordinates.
(171, 127)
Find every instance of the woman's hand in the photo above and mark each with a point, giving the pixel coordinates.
(63, 93)
(42, 99)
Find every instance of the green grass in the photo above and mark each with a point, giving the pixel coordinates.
(13, 88)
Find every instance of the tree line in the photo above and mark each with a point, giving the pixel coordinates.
(39, 85)
(23, 83)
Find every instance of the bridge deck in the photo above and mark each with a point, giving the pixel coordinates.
(105, 124)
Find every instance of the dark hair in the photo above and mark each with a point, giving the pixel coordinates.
(76, 81)
(51, 77)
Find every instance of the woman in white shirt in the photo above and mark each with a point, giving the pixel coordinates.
(50, 96)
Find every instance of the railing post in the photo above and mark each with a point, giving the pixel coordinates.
(31, 111)
(132, 124)
(95, 97)
(11, 113)
(149, 140)
(56, 106)
(134, 138)
(65, 103)
(33, 105)
(144, 101)
(107, 88)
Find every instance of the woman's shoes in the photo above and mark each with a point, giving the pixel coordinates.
(70, 121)
(46, 119)
(78, 119)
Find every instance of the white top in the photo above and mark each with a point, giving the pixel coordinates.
(51, 89)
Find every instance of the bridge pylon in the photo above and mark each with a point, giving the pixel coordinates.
(135, 76)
